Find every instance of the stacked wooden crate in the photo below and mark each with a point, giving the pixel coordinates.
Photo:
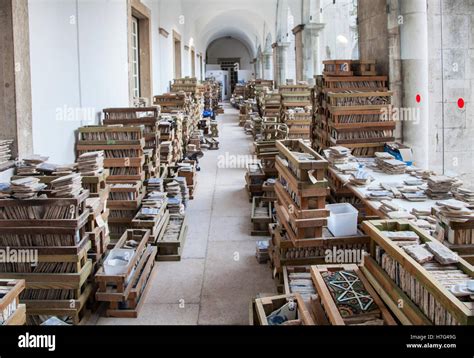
(188, 169)
(172, 145)
(301, 236)
(271, 105)
(123, 147)
(254, 178)
(301, 191)
(148, 117)
(52, 231)
(98, 228)
(188, 85)
(171, 102)
(124, 293)
(352, 111)
(153, 215)
(12, 313)
(297, 110)
(424, 284)
(124, 201)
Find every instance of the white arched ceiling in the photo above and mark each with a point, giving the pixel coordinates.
(249, 21)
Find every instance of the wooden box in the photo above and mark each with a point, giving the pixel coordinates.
(426, 300)
(341, 317)
(259, 219)
(266, 305)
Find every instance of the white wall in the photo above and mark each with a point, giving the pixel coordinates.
(78, 67)
(229, 48)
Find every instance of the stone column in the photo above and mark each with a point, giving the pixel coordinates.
(298, 32)
(312, 61)
(414, 56)
(15, 76)
(280, 50)
(267, 66)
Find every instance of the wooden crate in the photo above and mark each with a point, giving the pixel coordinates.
(434, 304)
(328, 302)
(12, 313)
(364, 68)
(155, 225)
(116, 288)
(131, 306)
(338, 68)
(73, 213)
(172, 250)
(260, 223)
(266, 305)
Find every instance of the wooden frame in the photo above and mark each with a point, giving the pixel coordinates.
(138, 10)
(266, 305)
(327, 300)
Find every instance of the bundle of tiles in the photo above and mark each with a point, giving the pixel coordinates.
(184, 190)
(388, 164)
(26, 188)
(455, 210)
(175, 204)
(65, 169)
(465, 195)
(262, 251)
(68, 186)
(360, 178)
(5, 151)
(339, 155)
(439, 187)
(30, 164)
(91, 163)
(155, 199)
(155, 185)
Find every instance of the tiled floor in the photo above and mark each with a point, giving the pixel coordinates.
(218, 275)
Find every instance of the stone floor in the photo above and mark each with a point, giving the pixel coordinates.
(218, 275)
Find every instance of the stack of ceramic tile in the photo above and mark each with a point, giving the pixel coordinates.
(91, 163)
(5, 151)
(175, 203)
(360, 178)
(155, 199)
(455, 210)
(62, 170)
(339, 155)
(388, 164)
(262, 251)
(155, 184)
(184, 190)
(465, 195)
(29, 165)
(439, 187)
(67, 186)
(26, 188)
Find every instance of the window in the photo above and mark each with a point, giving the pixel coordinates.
(136, 57)
(177, 54)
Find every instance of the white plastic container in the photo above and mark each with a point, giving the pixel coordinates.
(343, 219)
(117, 261)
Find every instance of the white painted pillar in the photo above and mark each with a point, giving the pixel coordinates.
(414, 55)
(312, 56)
(279, 62)
(267, 66)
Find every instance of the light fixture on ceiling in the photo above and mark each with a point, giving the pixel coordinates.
(342, 39)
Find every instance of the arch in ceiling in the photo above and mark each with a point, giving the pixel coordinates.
(245, 25)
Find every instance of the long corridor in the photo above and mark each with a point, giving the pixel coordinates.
(218, 274)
